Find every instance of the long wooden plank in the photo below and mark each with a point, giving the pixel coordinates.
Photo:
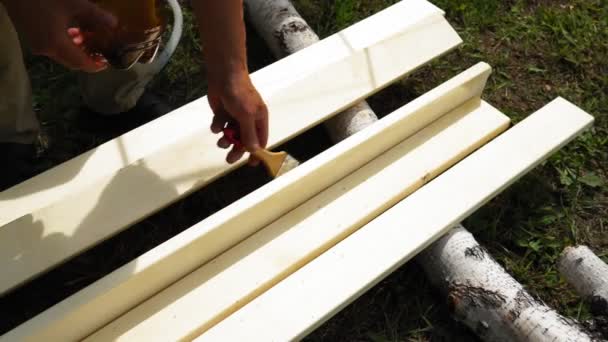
(79, 172)
(84, 216)
(106, 299)
(110, 157)
(307, 298)
(220, 287)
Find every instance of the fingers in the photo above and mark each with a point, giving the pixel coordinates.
(261, 126)
(219, 122)
(249, 136)
(220, 116)
(244, 109)
(75, 55)
(74, 31)
(249, 142)
(235, 154)
(234, 141)
(253, 161)
(253, 127)
(76, 35)
(223, 143)
(79, 38)
(70, 52)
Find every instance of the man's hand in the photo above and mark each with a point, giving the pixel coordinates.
(52, 29)
(236, 99)
(231, 94)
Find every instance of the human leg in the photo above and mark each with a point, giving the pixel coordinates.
(18, 122)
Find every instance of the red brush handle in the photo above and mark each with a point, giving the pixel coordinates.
(233, 136)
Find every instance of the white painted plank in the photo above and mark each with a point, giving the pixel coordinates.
(67, 178)
(310, 296)
(228, 282)
(185, 156)
(116, 293)
(193, 118)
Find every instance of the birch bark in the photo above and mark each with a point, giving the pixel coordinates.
(482, 295)
(588, 274)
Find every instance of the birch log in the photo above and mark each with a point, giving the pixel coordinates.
(488, 300)
(286, 32)
(588, 274)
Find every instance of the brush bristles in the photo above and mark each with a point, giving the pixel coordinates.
(289, 164)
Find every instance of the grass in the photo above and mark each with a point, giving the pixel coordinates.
(538, 49)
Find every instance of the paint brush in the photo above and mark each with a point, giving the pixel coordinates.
(277, 163)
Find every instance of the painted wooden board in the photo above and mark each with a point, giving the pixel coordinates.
(411, 16)
(111, 296)
(228, 282)
(310, 296)
(185, 156)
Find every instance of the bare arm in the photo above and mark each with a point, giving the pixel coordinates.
(231, 95)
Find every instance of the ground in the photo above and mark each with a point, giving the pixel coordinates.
(539, 49)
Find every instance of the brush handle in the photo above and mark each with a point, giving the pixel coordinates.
(272, 160)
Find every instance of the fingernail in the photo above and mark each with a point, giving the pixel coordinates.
(222, 143)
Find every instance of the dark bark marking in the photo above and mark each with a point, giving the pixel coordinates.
(477, 252)
(521, 302)
(466, 296)
(289, 29)
(597, 328)
(478, 297)
(599, 305)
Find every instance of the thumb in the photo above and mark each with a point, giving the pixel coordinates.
(249, 136)
(93, 16)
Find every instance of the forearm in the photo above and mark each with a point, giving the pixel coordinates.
(222, 31)
(231, 94)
